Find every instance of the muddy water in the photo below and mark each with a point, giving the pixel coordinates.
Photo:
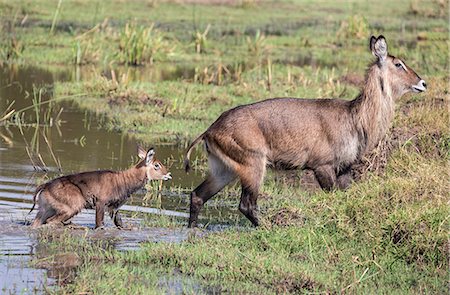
(69, 140)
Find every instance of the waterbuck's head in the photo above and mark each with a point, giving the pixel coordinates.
(154, 169)
(396, 77)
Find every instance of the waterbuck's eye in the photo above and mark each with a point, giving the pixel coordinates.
(398, 65)
(157, 166)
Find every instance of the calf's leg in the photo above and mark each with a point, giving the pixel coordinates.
(116, 217)
(99, 214)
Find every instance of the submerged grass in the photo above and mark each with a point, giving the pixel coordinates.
(388, 233)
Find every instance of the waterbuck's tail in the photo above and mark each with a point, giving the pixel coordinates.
(36, 196)
(187, 166)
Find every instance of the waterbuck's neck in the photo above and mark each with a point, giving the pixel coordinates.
(373, 109)
(130, 180)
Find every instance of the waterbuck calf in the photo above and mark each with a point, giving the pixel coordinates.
(324, 135)
(62, 198)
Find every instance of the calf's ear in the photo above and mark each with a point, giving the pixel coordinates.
(141, 152)
(149, 156)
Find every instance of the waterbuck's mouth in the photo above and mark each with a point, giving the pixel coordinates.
(167, 176)
(420, 87)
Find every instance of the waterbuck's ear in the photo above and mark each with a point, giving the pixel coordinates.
(149, 156)
(378, 46)
(141, 152)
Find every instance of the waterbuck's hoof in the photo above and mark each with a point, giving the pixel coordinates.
(100, 228)
(192, 224)
(121, 227)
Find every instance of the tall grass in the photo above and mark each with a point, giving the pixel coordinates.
(256, 45)
(200, 40)
(11, 46)
(431, 9)
(139, 45)
(355, 26)
(84, 52)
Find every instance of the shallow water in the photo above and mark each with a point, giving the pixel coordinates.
(68, 140)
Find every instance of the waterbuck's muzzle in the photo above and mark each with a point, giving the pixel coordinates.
(167, 176)
(420, 87)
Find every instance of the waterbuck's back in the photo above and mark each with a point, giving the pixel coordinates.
(288, 132)
(86, 185)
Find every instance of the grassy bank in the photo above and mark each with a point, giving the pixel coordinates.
(388, 233)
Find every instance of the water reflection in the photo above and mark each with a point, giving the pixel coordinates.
(79, 144)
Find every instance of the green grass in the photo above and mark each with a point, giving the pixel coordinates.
(369, 238)
(388, 233)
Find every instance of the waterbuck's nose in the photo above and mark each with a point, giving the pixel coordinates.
(420, 87)
(167, 176)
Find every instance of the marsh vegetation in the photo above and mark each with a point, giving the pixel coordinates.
(160, 72)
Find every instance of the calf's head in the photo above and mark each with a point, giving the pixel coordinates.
(154, 169)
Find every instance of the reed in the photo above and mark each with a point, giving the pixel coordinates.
(55, 17)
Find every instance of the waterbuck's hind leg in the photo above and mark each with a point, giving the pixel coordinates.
(43, 217)
(38, 220)
(251, 178)
(68, 221)
(219, 177)
(326, 176)
(45, 211)
(205, 191)
(248, 204)
(59, 219)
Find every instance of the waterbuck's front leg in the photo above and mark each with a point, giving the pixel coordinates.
(99, 214)
(326, 176)
(344, 179)
(116, 217)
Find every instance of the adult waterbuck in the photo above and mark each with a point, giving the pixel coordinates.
(324, 135)
(62, 198)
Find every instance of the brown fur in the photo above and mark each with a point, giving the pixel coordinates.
(62, 198)
(324, 135)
